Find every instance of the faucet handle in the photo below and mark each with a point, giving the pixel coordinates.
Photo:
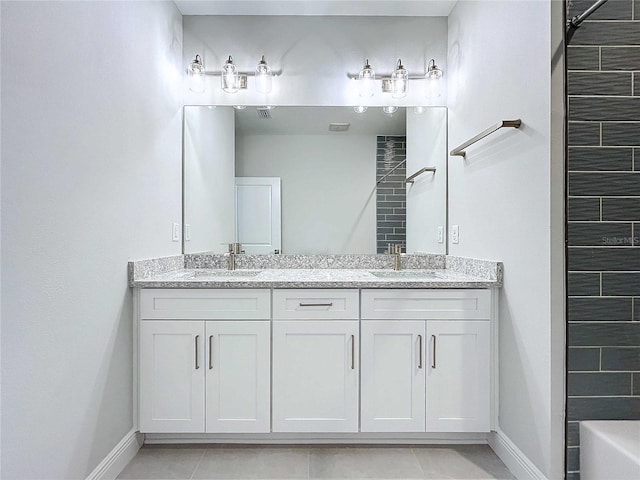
(398, 248)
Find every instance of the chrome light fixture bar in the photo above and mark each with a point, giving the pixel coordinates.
(231, 79)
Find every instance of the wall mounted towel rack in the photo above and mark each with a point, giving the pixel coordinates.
(459, 151)
(411, 179)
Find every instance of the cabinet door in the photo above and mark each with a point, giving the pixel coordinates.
(459, 376)
(171, 376)
(393, 376)
(238, 376)
(315, 376)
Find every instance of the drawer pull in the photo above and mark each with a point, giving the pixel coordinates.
(330, 304)
(197, 359)
(210, 352)
(353, 352)
(420, 351)
(433, 357)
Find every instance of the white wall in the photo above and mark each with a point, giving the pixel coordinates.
(209, 178)
(500, 68)
(327, 186)
(91, 149)
(315, 54)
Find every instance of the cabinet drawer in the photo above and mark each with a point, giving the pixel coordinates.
(209, 304)
(461, 304)
(298, 304)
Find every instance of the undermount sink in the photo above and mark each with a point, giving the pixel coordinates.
(404, 274)
(205, 272)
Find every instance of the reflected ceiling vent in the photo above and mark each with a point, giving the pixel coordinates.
(264, 112)
(338, 127)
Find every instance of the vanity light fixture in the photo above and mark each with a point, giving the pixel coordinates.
(399, 81)
(196, 74)
(230, 78)
(366, 80)
(434, 74)
(360, 109)
(263, 77)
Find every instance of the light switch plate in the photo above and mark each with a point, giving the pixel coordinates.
(455, 234)
(187, 232)
(175, 235)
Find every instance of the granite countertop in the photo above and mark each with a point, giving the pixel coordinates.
(437, 272)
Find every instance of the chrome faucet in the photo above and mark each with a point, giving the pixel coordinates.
(234, 249)
(396, 251)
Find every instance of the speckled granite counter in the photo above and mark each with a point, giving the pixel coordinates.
(315, 271)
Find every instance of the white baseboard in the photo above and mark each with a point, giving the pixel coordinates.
(516, 461)
(118, 458)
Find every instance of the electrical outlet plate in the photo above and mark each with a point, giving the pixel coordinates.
(440, 234)
(175, 236)
(455, 234)
(187, 232)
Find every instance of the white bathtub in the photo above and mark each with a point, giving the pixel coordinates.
(610, 450)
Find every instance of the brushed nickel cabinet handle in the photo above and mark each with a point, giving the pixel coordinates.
(353, 352)
(420, 351)
(197, 359)
(210, 352)
(433, 357)
(316, 304)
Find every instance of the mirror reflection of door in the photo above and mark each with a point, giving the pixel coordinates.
(258, 222)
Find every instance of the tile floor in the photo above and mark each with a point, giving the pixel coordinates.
(468, 462)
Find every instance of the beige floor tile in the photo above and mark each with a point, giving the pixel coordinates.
(461, 462)
(254, 463)
(163, 463)
(363, 463)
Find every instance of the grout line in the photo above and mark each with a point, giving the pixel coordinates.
(197, 464)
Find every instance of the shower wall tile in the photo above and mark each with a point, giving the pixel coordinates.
(620, 134)
(607, 33)
(616, 10)
(619, 209)
(391, 192)
(604, 184)
(614, 259)
(599, 83)
(596, 334)
(583, 359)
(585, 209)
(573, 434)
(626, 283)
(621, 359)
(584, 133)
(581, 284)
(583, 58)
(600, 309)
(600, 159)
(620, 58)
(636, 384)
(603, 408)
(609, 109)
(599, 384)
(600, 234)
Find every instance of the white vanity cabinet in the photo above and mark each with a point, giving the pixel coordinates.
(426, 360)
(210, 375)
(315, 360)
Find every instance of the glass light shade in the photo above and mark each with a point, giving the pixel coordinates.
(264, 78)
(434, 74)
(366, 81)
(399, 81)
(229, 77)
(239, 107)
(360, 109)
(389, 109)
(196, 74)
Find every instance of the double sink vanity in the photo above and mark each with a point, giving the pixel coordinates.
(315, 348)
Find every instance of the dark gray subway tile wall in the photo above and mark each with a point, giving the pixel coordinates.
(603, 213)
(391, 198)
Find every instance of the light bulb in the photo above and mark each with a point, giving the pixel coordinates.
(196, 73)
(366, 80)
(419, 109)
(434, 74)
(239, 107)
(389, 109)
(263, 77)
(399, 81)
(360, 109)
(229, 76)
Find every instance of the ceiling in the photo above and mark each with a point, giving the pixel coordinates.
(398, 8)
